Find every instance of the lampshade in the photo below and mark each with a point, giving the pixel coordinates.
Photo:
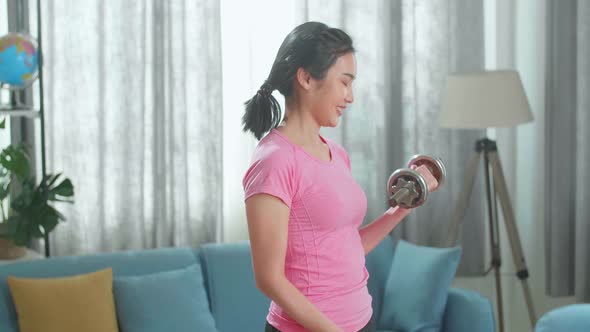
(484, 99)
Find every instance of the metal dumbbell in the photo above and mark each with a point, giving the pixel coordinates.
(407, 188)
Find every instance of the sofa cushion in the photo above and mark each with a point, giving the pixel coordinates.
(378, 263)
(164, 301)
(71, 304)
(417, 287)
(236, 302)
(124, 263)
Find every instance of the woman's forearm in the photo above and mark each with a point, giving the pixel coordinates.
(376, 231)
(297, 306)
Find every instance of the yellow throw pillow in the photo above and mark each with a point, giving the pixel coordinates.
(69, 304)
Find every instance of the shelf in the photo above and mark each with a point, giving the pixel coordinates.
(19, 111)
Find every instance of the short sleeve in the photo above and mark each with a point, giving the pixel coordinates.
(272, 174)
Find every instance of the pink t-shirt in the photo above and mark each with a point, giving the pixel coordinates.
(325, 258)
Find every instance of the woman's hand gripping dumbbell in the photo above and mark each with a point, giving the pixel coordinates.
(409, 187)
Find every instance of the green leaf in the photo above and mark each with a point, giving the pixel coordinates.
(51, 178)
(22, 237)
(3, 123)
(64, 189)
(8, 228)
(36, 231)
(60, 215)
(69, 201)
(15, 160)
(30, 210)
(49, 222)
(4, 190)
(47, 218)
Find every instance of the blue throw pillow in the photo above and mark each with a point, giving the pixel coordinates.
(166, 301)
(417, 287)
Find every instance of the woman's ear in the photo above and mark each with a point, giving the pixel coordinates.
(304, 78)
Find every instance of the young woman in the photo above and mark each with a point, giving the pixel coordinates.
(304, 208)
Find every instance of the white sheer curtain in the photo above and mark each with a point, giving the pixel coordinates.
(516, 38)
(405, 49)
(567, 212)
(251, 33)
(134, 118)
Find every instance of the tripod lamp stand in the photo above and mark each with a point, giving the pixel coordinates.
(483, 100)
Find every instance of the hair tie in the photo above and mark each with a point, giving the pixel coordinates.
(266, 89)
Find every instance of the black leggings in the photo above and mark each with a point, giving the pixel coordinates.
(370, 327)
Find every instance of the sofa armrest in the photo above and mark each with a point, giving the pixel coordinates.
(468, 311)
(572, 317)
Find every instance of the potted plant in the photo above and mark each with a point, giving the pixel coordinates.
(25, 205)
(14, 167)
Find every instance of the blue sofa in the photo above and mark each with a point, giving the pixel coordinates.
(234, 301)
(570, 318)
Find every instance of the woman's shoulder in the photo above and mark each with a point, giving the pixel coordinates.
(339, 152)
(272, 158)
(274, 150)
(336, 147)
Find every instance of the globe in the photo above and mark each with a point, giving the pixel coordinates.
(19, 61)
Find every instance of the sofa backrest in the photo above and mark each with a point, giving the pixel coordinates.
(123, 263)
(236, 303)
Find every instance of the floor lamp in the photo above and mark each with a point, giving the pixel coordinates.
(489, 99)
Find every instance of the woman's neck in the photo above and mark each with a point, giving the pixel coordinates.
(301, 127)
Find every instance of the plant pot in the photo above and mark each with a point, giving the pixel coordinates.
(9, 250)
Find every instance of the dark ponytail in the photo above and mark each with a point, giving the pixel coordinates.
(313, 46)
(263, 112)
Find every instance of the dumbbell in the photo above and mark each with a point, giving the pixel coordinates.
(407, 188)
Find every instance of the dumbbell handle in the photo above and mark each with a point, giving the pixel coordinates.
(431, 182)
(434, 165)
(405, 194)
(409, 187)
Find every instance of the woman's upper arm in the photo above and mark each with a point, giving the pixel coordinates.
(268, 220)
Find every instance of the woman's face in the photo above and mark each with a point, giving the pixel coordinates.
(331, 96)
